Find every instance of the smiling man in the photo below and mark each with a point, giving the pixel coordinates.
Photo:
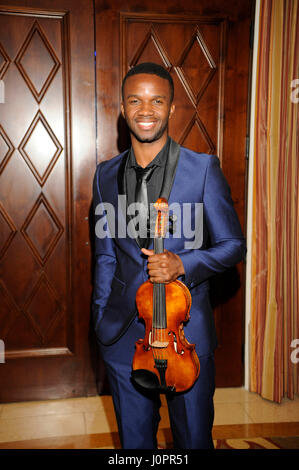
(146, 112)
(156, 166)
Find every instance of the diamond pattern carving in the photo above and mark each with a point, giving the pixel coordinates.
(197, 66)
(151, 50)
(196, 132)
(193, 72)
(42, 229)
(6, 149)
(34, 307)
(4, 61)
(42, 308)
(8, 311)
(37, 50)
(8, 231)
(40, 148)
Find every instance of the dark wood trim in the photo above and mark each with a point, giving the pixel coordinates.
(26, 353)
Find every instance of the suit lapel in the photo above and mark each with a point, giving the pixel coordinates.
(122, 202)
(121, 174)
(170, 170)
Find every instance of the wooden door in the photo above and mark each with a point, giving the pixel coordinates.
(206, 47)
(47, 162)
(48, 158)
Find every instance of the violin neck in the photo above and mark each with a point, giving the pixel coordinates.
(159, 314)
(158, 245)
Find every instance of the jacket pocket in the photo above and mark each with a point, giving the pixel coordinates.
(117, 287)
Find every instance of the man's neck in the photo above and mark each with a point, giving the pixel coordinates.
(146, 152)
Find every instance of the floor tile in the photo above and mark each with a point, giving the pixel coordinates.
(100, 422)
(233, 413)
(234, 395)
(95, 415)
(53, 407)
(33, 427)
(265, 411)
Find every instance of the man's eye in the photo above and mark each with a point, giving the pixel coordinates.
(133, 101)
(157, 101)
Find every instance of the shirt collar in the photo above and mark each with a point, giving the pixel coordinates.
(159, 160)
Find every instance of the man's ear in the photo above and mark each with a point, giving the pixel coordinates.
(122, 109)
(172, 109)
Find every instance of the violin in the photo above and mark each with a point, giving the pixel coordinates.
(164, 360)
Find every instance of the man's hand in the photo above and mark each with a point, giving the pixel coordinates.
(165, 267)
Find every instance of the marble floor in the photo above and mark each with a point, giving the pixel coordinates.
(90, 422)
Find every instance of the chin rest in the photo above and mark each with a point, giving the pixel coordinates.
(147, 379)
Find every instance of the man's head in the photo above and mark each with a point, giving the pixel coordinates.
(152, 69)
(147, 102)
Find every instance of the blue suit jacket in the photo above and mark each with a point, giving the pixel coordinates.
(121, 267)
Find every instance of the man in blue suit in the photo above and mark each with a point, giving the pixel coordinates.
(124, 258)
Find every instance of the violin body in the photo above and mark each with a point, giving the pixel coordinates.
(167, 346)
(164, 360)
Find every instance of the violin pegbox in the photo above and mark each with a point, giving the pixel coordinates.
(161, 207)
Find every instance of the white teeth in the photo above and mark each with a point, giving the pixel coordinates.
(146, 124)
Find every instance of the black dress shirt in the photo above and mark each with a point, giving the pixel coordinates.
(154, 185)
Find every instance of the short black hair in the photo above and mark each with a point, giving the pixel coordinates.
(152, 69)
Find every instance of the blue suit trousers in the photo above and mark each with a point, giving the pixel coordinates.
(191, 413)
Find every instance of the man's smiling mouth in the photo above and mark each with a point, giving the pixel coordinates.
(146, 125)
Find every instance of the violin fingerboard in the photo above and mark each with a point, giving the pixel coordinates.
(158, 245)
(159, 310)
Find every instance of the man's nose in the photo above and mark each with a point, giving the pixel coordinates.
(146, 109)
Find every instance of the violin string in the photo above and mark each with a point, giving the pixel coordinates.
(160, 326)
(154, 314)
(155, 319)
(161, 319)
(163, 314)
(156, 311)
(161, 322)
(158, 331)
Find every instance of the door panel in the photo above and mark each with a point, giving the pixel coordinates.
(205, 46)
(196, 65)
(47, 158)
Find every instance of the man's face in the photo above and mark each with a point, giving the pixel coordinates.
(146, 106)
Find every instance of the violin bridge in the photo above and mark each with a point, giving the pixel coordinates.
(157, 343)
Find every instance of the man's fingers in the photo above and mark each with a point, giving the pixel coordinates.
(158, 274)
(151, 253)
(162, 267)
(154, 258)
(147, 252)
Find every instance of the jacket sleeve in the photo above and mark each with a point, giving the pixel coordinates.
(104, 252)
(227, 244)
